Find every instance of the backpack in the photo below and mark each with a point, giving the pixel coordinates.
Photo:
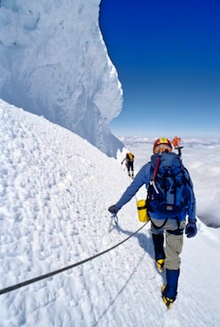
(168, 191)
(130, 156)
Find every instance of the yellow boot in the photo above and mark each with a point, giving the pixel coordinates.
(160, 265)
(168, 302)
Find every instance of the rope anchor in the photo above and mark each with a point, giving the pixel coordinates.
(113, 219)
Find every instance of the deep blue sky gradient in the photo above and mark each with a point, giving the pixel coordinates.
(167, 54)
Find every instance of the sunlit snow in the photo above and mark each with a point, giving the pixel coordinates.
(55, 190)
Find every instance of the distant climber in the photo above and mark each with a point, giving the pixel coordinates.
(129, 163)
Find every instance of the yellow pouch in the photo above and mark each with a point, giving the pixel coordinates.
(142, 211)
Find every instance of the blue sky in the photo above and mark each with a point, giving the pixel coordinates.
(167, 54)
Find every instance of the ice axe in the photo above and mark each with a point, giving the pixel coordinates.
(176, 144)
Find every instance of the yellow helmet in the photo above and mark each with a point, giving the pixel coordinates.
(162, 145)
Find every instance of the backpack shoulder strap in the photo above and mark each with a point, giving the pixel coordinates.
(157, 163)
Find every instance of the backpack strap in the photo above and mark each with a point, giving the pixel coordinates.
(156, 168)
(152, 182)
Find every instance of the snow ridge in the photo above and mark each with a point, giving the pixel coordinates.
(54, 63)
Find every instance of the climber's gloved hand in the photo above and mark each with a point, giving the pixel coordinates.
(113, 209)
(191, 229)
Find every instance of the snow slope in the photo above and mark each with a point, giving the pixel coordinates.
(55, 189)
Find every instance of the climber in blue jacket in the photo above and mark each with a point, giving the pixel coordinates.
(170, 220)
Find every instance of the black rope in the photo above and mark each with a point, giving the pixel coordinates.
(36, 279)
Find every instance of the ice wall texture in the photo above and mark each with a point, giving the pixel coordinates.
(54, 63)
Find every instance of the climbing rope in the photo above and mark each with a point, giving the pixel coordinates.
(36, 279)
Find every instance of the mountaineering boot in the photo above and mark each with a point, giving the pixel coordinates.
(166, 299)
(158, 241)
(169, 291)
(160, 265)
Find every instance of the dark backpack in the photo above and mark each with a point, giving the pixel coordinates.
(168, 192)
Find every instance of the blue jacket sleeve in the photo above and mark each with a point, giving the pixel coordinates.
(142, 177)
(192, 200)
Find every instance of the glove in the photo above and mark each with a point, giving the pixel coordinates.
(191, 229)
(113, 209)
